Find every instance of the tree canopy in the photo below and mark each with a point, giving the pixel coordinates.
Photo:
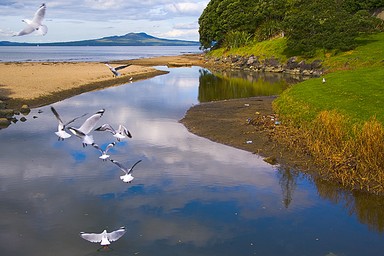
(307, 25)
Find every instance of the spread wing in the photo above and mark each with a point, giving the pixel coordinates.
(106, 127)
(110, 145)
(123, 130)
(97, 147)
(57, 115)
(130, 170)
(27, 30)
(39, 15)
(90, 123)
(113, 236)
(122, 66)
(74, 119)
(120, 166)
(91, 237)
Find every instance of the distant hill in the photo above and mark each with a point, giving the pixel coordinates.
(130, 39)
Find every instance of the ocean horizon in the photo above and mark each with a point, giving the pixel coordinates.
(89, 53)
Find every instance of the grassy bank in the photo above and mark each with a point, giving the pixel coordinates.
(340, 122)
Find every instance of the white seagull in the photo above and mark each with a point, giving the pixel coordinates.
(323, 80)
(127, 178)
(83, 131)
(114, 69)
(119, 134)
(35, 23)
(104, 155)
(61, 133)
(104, 238)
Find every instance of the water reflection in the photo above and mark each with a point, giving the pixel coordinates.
(240, 84)
(190, 196)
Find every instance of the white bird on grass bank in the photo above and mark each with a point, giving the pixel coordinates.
(127, 178)
(104, 238)
(83, 131)
(35, 23)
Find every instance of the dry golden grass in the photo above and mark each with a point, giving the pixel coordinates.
(353, 158)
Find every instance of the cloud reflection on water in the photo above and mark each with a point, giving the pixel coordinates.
(188, 191)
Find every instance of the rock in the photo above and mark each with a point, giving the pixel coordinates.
(7, 113)
(23, 119)
(4, 122)
(2, 104)
(25, 109)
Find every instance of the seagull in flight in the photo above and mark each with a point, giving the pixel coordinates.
(114, 69)
(127, 178)
(104, 238)
(120, 134)
(61, 133)
(35, 23)
(104, 155)
(83, 131)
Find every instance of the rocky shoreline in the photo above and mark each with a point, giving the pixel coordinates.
(255, 63)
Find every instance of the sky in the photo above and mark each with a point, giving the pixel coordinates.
(73, 20)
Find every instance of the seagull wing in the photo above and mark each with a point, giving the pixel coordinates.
(92, 237)
(27, 30)
(39, 15)
(57, 115)
(113, 236)
(120, 166)
(109, 66)
(122, 66)
(90, 123)
(74, 119)
(110, 145)
(97, 147)
(76, 132)
(106, 127)
(130, 170)
(123, 130)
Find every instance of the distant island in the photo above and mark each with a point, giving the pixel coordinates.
(130, 39)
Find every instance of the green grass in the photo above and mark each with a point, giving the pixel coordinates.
(266, 49)
(369, 52)
(340, 123)
(357, 94)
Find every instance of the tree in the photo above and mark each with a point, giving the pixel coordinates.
(320, 24)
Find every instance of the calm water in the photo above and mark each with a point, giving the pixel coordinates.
(190, 196)
(89, 53)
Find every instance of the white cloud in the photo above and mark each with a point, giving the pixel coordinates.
(87, 19)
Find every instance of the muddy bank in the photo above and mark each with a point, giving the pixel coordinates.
(249, 124)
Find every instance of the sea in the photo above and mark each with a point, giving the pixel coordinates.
(89, 53)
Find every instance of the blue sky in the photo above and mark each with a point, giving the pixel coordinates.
(72, 20)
